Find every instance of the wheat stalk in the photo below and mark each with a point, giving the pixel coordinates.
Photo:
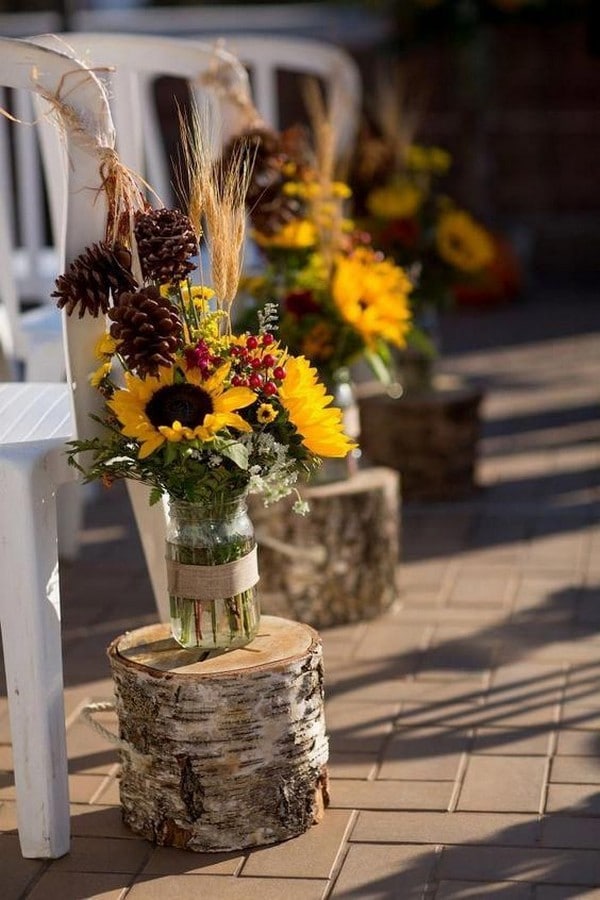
(217, 198)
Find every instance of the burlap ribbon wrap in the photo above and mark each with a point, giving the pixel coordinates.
(212, 582)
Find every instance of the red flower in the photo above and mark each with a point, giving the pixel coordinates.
(405, 232)
(300, 303)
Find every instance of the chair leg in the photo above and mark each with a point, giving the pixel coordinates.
(30, 622)
(151, 524)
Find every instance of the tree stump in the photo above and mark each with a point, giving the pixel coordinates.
(221, 751)
(339, 563)
(429, 436)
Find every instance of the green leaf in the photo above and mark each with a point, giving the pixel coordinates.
(237, 453)
(155, 496)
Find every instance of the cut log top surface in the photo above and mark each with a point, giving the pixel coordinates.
(154, 650)
(360, 482)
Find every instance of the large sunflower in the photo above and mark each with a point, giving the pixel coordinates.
(307, 404)
(372, 294)
(157, 409)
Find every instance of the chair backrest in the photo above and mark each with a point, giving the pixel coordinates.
(268, 56)
(135, 63)
(75, 96)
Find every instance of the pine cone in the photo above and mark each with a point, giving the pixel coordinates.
(87, 283)
(269, 208)
(148, 329)
(165, 239)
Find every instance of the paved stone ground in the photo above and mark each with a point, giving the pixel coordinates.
(464, 724)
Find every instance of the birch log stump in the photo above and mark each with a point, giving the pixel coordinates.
(224, 752)
(430, 436)
(339, 563)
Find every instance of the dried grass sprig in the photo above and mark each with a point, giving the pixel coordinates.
(398, 111)
(217, 197)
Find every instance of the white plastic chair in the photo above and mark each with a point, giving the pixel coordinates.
(35, 421)
(137, 60)
(31, 338)
(267, 55)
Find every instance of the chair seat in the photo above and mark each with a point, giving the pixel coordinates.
(32, 412)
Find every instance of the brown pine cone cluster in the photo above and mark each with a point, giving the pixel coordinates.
(148, 329)
(165, 240)
(96, 273)
(268, 206)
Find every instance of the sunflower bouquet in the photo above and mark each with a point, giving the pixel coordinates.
(200, 414)
(190, 408)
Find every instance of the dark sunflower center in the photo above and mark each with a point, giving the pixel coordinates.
(185, 403)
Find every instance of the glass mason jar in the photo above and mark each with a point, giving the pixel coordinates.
(211, 573)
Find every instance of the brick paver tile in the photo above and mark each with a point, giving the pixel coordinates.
(352, 765)
(89, 854)
(576, 770)
(482, 587)
(8, 816)
(16, 873)
(577, 743)
(565, 892)
(359, 727)
(223, 887)
(7, 786)
(390, 639)
(61, 885)
(581, 799)
(519, 864)
(512, 742)
(570, 831)
(501, 829)
(425, 754)
(99, 821)
(82, 788)
(502, 784)
(391, 794)
(6, 758)
(373, 872)
(174, 862)
(469, 890)
(311, 855)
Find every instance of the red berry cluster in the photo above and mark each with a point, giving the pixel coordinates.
(254, 368)
(201, 357)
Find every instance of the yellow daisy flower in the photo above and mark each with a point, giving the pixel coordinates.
(400, 200)
(97, 377)
(308, 407)
(105, 346)
(463, 243)
(372, 294)
(153, 410)
(266, 413)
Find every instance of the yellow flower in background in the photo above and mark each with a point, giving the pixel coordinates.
(153, 410)
(300, 233)
(428, 159)
(308, 407)
(341, 189)
(372, 294)
(400, 200)
(462, 242)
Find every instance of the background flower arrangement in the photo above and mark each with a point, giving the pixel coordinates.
(339, 298)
